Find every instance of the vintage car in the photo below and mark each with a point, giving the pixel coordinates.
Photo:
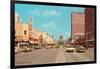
(26, 49)
(17, 50)
(37, 46)
(80, 49)
(70, 48)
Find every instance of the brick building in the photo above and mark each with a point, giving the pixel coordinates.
(90, 25)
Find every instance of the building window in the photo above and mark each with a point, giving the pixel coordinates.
(25, 32)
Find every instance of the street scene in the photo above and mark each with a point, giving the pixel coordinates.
(53, 34)
(48, 56)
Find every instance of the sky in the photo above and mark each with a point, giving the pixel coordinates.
(55, 20)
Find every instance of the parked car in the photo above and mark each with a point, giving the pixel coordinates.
(37, 46)
(70, 48)
(17, 50)
(27, 49)
(80, 49)
(49, 46)
(90, 44)
(54, 46)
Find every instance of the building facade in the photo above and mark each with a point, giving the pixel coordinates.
(21, 31)
(90, 24)
(26, 35)
(21, 34)
(78, 25)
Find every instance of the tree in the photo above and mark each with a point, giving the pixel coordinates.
(61, 42)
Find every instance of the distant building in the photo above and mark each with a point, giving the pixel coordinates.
(61, 37)
(43, 35)
(47, 38)
(61, 40)
(90, 24)
(78, 24)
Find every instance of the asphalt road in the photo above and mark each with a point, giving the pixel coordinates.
(57, 55)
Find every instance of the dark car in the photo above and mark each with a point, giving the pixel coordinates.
(27, 49)
(37, 46)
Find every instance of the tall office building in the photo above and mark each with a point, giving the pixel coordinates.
(78, 24)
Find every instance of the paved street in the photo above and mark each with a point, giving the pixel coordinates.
(57, 55)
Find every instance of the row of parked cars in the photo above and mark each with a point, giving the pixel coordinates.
(46, 46)
(25, 49)
(43, 46)
(36, 46)
(78, 48)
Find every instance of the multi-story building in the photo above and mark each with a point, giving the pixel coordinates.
(42, 36)
(47, 38)
(26, 35)
(78, 25)
(90, 25)
(21, 33)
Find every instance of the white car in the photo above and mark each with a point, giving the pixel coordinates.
(80, 49)
(70, 49)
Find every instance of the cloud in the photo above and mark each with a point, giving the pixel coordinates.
(51, 13)
(45, 12)
(50, 25)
